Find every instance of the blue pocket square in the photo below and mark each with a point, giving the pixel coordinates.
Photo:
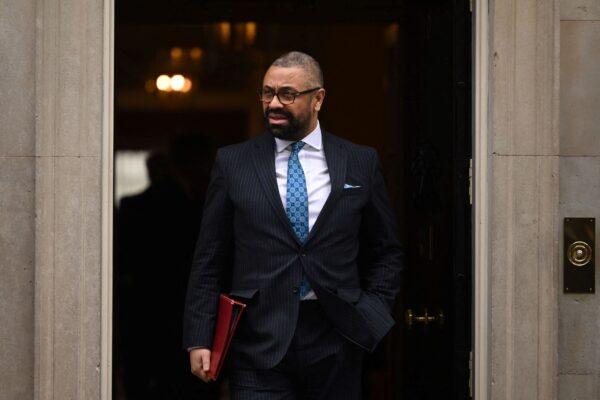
(348, 186)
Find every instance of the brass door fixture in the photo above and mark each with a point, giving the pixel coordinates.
(579, 253)
(579, 259)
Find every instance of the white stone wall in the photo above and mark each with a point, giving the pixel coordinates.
(69, 102)
(51, 132)
(579, 328)
(523, 206)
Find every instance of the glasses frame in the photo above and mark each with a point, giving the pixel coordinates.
(294, 94)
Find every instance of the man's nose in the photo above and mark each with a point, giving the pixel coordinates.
(275, 103)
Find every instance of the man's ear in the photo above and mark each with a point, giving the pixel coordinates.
(319, 98)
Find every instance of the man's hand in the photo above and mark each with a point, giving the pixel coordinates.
(200, 363)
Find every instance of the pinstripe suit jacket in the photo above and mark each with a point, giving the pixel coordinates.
(247, 248)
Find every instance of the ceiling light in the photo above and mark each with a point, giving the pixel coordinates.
(176, 53)
(163, 83)
(187, 85)
(196, 53)
(224, 29)
(177, 82)
(250, 32)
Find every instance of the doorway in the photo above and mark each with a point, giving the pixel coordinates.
(398, 78)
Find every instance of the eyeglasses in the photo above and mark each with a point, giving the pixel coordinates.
(285, 96)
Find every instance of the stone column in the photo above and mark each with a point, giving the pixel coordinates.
(523, 190)
(17, 191)
(69, 105)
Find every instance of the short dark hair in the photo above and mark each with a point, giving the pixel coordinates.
(304, 61)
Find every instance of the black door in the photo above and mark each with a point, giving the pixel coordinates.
(437, 306)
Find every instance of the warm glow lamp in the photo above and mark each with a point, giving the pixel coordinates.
(163, 83)
(177, 82)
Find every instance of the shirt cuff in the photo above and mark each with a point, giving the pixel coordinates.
(196, 347)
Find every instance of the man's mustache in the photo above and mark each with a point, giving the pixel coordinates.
(279, 113)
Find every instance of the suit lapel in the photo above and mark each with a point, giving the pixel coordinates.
(264, 162)
(336, 157)
(263, 157)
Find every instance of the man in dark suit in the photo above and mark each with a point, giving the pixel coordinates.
(300, 222)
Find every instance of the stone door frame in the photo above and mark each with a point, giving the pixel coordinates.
(106, 366)
(480, 222)
(480, 204)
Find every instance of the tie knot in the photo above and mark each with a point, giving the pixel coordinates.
(297, 146)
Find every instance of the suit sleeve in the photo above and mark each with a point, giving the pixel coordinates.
(210, 262)
(383, 270)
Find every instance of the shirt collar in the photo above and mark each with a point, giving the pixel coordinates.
(313, 139)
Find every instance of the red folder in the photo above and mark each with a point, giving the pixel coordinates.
(228, 316)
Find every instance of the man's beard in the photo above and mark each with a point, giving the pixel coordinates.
(293, 130)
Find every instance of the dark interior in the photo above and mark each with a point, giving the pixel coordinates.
(398, 78)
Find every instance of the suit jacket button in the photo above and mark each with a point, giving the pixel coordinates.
(295, 289)
(303, 254)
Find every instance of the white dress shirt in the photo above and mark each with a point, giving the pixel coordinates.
(316, 173)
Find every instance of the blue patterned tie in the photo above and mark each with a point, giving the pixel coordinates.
(296, 203)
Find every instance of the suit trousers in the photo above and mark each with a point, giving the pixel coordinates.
(319, 364)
